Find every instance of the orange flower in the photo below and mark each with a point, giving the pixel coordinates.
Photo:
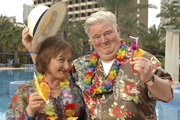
(21, 86)
(10, 106)
(138, 53)
(14, 98)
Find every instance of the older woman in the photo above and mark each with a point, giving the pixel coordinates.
(53, 62)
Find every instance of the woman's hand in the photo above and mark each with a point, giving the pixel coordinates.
(27, 39)
(35, 102)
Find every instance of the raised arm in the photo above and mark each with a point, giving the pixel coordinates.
(27, 41)
(161, 81)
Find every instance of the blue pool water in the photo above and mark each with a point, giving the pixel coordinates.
(7, 77)
(170, 110)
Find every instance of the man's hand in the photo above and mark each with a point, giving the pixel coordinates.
(144, 67)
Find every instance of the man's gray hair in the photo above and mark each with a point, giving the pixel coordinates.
(98, 17)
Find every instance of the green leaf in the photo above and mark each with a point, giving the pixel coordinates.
(115, 103)
(110, 112)
(122, 107)
(135, 99)
(122, 118)
(122, 89)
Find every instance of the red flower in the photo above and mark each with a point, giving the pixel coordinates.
(156, 65)
(22, 117)
(99, 70)
(121, 40)
(125, 61)
(87, 57)
(92, 109)
(89, 73)
(69, 106)
(95, 55)
(92, 88)
(117, 112)
(32, 90)
(129, 86)
(96, 80)
(119, 59)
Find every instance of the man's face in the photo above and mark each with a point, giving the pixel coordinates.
(105, 39)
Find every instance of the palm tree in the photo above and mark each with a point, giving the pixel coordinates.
(14, 43)
(170, 12)
(5, 26)
(73, 32)
(115, 6)
(65, 28)
(120, 7)
(152, 40)
(78, 37)
(130, 26)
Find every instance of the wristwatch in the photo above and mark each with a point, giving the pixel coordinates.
(150, 82)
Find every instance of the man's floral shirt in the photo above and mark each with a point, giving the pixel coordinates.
(119, 103)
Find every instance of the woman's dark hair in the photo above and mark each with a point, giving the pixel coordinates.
(50, 48)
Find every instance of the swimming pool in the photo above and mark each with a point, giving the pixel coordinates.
(7, 76)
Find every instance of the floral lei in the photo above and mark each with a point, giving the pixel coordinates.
(112, 74)
(67, 99)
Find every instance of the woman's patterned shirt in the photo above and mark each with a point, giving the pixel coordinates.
(20, 99)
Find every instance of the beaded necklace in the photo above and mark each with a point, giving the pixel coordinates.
(111, 76)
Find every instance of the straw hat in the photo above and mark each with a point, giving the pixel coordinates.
(44, 22)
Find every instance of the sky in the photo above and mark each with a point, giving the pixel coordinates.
(15, 8)
(153, 12)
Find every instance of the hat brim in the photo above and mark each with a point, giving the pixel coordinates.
(49, 24)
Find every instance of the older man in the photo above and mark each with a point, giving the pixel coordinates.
(107, 79)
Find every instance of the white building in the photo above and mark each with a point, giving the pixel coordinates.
(26, 11)
(77, 9)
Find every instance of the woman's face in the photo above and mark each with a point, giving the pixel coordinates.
(60, 66)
